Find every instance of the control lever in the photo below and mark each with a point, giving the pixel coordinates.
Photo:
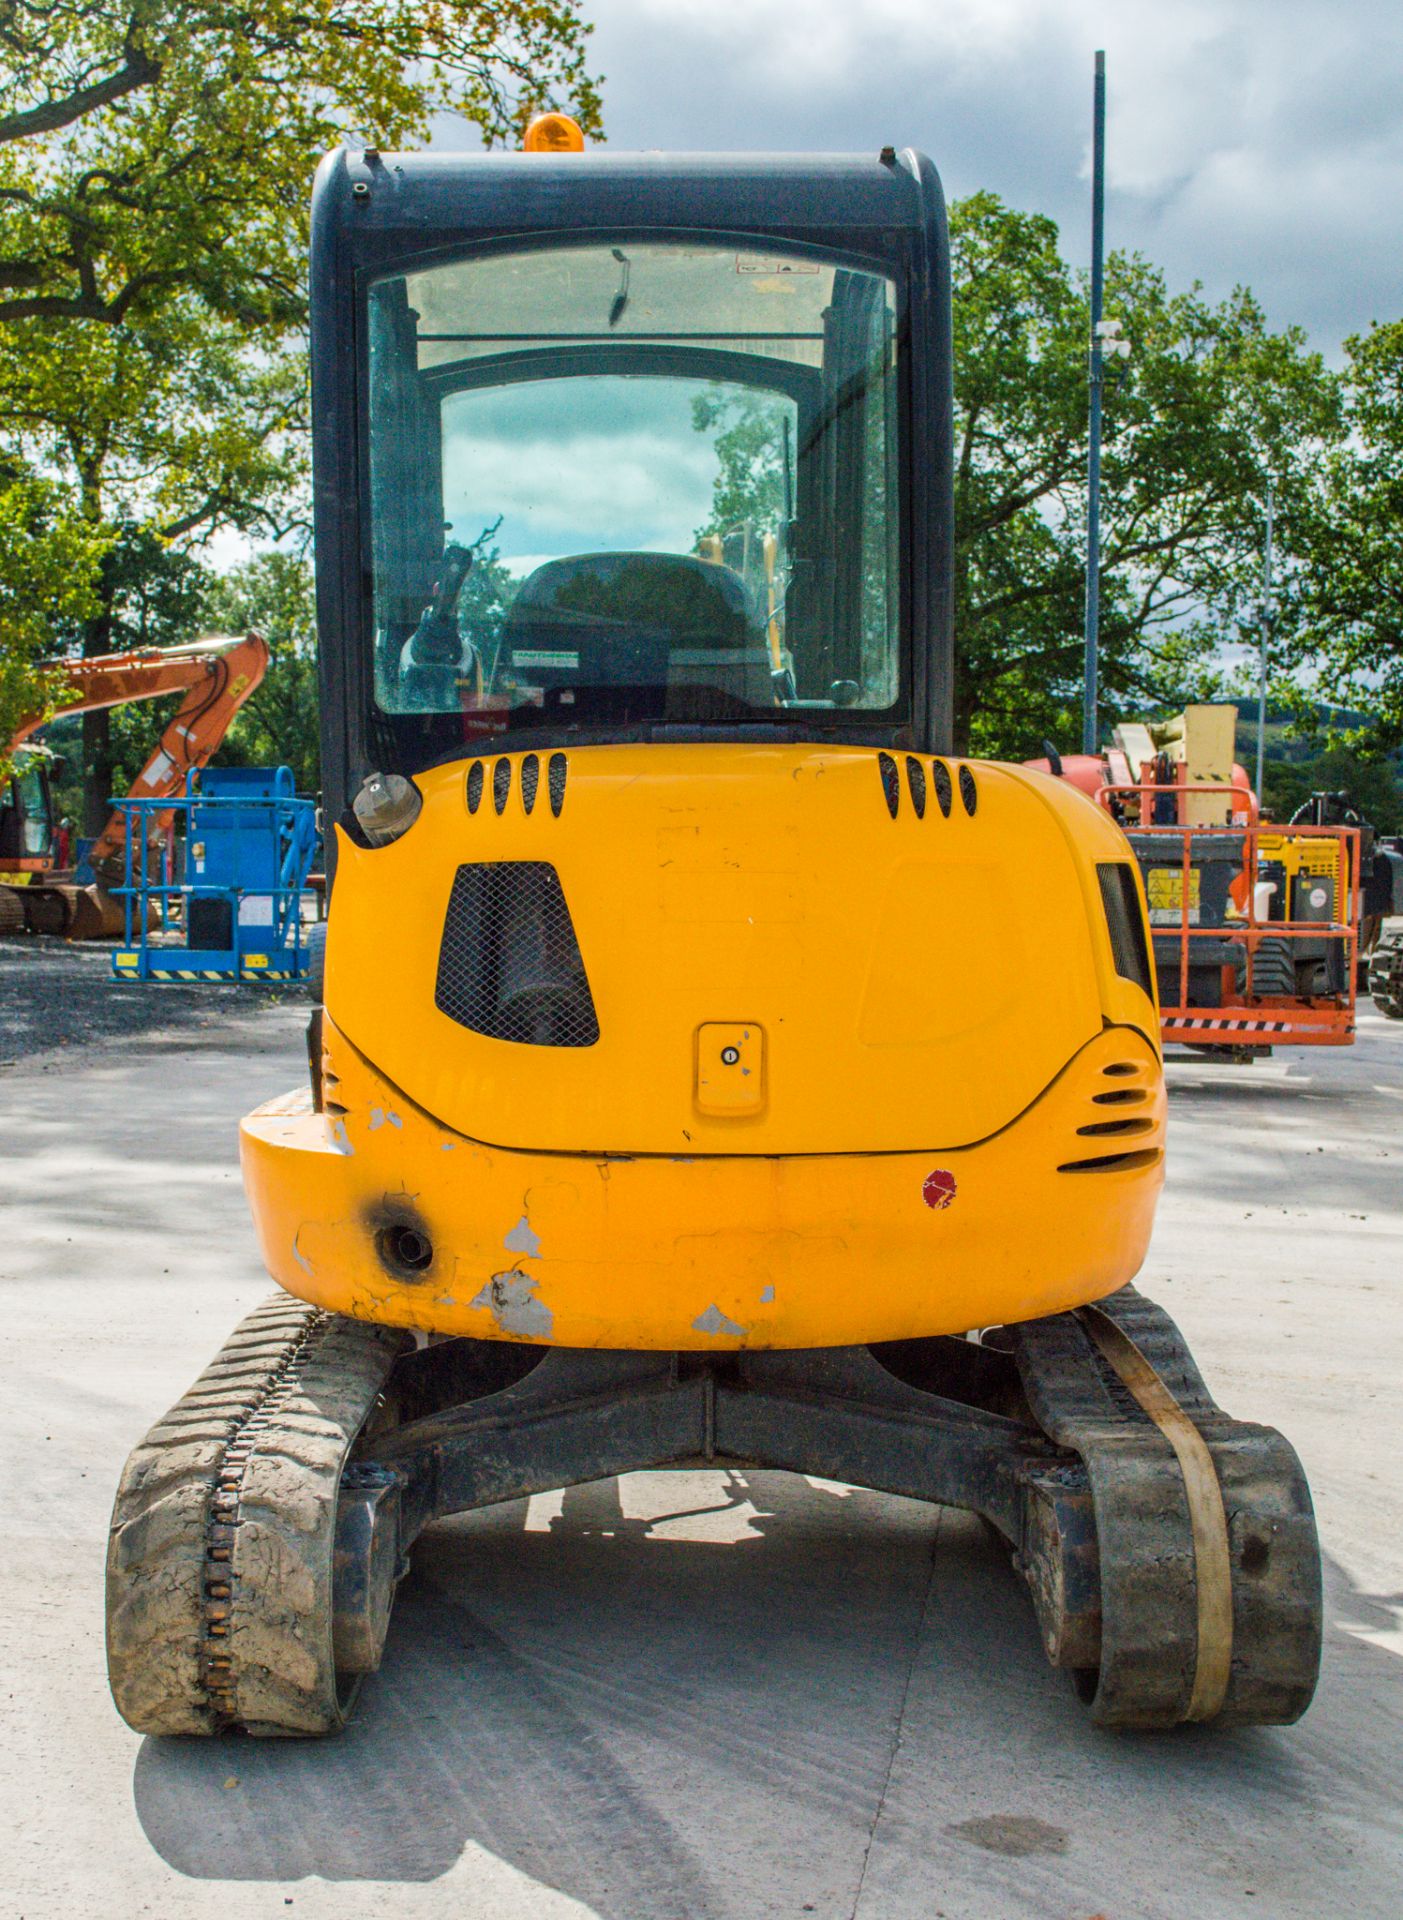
(436, 642)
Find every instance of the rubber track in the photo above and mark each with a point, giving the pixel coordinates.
(1149, 1599)
(219, 1564)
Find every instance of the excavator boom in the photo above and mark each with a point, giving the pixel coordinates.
(217, 674)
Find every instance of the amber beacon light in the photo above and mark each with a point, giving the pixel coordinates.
(554, 133)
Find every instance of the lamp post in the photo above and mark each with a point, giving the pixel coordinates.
(1089, 727)
(1264, 645)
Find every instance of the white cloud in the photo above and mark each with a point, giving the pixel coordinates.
(1248, 140)
(573, 465)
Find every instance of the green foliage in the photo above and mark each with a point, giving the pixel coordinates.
(153, 237)
(1341, 631)
(164, 147)
(1375, 787)
(747, 429)
(1211, 401)
(49, 562)
(277, 725)
(485, 596)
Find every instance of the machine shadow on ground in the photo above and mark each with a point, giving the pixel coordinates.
(594, 1700)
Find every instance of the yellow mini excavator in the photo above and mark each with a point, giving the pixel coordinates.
(695, 1076)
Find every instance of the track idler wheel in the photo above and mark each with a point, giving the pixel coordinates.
(1205, 1601)
(243, 1590)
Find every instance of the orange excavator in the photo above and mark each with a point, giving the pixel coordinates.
(38, 893)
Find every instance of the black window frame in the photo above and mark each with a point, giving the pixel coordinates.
(375, 215)
(795, 377)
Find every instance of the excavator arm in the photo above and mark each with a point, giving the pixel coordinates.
(218, 674)
(225, 680)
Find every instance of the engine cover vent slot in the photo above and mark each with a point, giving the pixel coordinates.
(944, 790)
(916, 780)
(1140, 1123)
(501, 784)
(530, 780)
(1120, 1097)
(509, 965)
(475, 779)
(969, 793)
(555, 782)
(891, 782)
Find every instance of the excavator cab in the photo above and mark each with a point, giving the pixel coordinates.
(27, 813)
(612, 464)
(710, 1064)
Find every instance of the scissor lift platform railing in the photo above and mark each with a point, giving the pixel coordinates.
(1244, 1016)
(265, 837)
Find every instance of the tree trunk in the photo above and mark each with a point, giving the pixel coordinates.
(97, 638)
(97, 772)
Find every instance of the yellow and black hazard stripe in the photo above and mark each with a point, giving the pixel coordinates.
(175, 973)
(126, 972)
(1231, 1026)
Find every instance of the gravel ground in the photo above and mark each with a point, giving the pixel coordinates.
(56, 995)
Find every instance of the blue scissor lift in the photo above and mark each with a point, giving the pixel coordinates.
(249, 842)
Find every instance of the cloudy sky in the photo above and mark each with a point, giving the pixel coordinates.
(1249, 140)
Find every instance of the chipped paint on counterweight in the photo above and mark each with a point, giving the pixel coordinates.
(510, 1298)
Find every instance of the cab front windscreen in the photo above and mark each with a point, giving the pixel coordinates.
(624, 484)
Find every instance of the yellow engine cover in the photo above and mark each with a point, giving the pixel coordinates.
(907, 982)
(858, 1069)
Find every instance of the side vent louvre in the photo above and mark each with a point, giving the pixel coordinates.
(969, 793)
(530, 780)
(475, 779)
(1114, 1162)
(501, 784)
(509, 965)
(891, 782)
(1126, 924)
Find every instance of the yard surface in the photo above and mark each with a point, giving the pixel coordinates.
(690, 1695)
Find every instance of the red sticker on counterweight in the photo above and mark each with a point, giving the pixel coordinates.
(939, 1189)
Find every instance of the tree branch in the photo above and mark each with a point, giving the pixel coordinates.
(139, 69)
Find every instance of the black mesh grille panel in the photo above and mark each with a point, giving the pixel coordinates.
(1125, 923)
(510, 965)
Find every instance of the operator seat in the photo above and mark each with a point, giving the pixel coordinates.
(626, 619)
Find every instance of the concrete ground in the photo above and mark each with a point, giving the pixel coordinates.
(690, 1695)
